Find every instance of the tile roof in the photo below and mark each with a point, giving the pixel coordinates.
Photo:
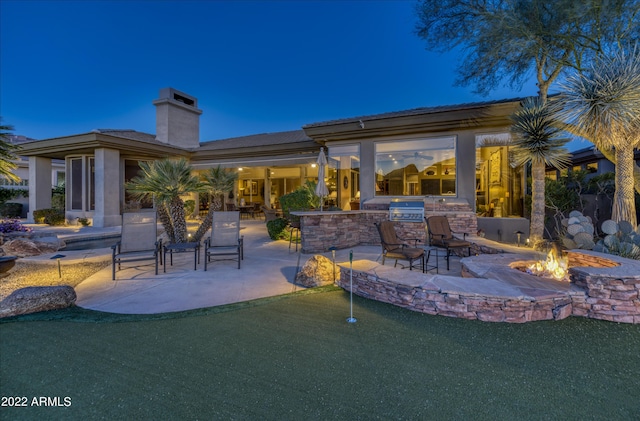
(256, 140)
(128, 134)
(414, 111)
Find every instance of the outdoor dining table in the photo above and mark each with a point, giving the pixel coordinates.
(181, 248)
(246, 210)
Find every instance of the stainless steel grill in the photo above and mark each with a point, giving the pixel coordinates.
(405, 211)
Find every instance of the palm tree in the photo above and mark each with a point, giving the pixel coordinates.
(165, 181)
(603, 105)
(7, 155)
(219, 182)
(537, 140)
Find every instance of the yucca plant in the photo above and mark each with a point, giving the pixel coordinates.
(164, 182)
(602, 104)
(537, 139)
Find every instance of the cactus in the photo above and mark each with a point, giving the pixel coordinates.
(579, 231)
(620, 239)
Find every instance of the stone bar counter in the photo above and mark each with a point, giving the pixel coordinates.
(320, 230)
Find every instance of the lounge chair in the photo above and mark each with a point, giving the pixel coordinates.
(440, 235)
(394, 247)
(225, 242)
(138, 240)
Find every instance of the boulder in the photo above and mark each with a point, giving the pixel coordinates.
(23, 247)
(317, 271)
(34, 299)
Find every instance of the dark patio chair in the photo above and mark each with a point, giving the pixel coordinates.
(225, 242)
(138, 240)
(269, 214)
(394, 247)
(440, 235)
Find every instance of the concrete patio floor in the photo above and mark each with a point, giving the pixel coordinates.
(268, 269)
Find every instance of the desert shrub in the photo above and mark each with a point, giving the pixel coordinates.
(11, 210)
(277, 228)
(12, 225)
(10, 194)
(58, 198)
(49, 216)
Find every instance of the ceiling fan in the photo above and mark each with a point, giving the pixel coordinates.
(417, 155)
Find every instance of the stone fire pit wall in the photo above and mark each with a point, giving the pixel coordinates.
(344, 229)
(611, 285)
(607, 287)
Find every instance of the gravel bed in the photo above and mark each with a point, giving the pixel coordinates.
(34, 274)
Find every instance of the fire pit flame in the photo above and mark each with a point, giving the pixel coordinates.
(554, 266)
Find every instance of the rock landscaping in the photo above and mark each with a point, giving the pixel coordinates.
(33, 299)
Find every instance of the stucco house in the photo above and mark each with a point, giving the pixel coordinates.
(458, 154)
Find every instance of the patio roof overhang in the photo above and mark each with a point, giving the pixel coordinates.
(417, 121)
(297, 153)
(59, 148)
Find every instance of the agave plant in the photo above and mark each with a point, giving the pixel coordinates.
(165, 181)
(603, 105)
(537, 139)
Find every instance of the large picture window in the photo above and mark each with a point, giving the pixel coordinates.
(418, 167)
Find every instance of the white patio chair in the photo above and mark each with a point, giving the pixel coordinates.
(138, 241)
(225, 242)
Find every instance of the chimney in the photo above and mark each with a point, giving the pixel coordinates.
(177, 119)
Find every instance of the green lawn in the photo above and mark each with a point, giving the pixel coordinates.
(294, 357)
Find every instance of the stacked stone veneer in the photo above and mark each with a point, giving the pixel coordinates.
(606, 293)
(467, 298)
(321, 230)
(610, 287)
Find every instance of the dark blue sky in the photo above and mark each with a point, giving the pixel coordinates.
(69, 67)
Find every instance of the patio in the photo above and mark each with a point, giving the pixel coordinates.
(470, 289)
(268, 269)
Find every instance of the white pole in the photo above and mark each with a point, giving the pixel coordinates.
(351, 319)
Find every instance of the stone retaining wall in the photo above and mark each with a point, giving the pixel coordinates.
(425, 293)
(605, 293)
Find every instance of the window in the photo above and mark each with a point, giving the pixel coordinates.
(92, 184)
(82, 183)
(76, 183)
(499, 184)
(343, 176)
(420, 167)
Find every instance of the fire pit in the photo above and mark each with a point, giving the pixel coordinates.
(601, 286)
(554, 266)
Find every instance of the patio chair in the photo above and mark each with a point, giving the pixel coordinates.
(394, 247)
(138, 240)
(269, 214)
(440, 235)
(225, 242)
